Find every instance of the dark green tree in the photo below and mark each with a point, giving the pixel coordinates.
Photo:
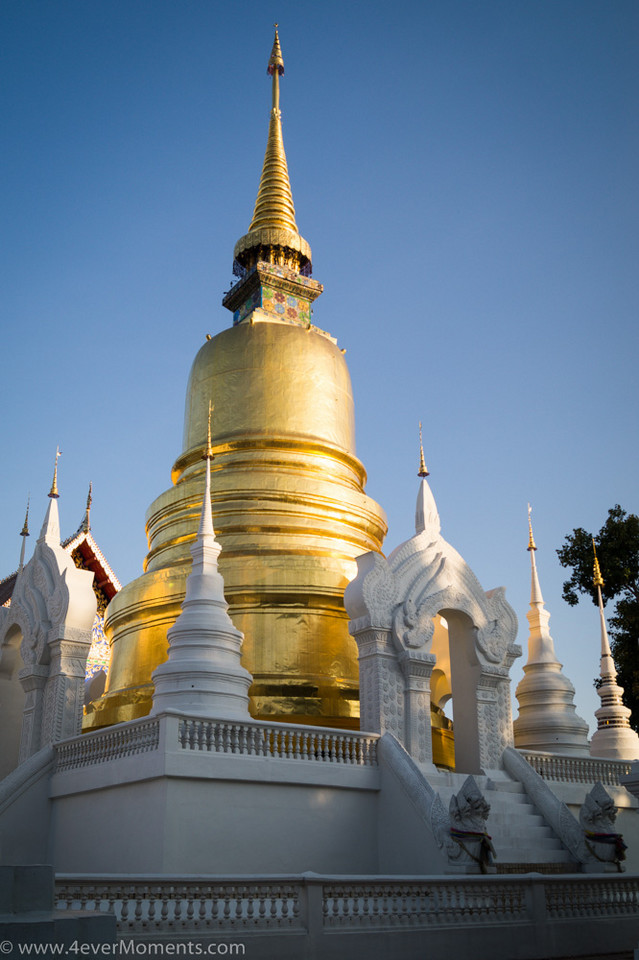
(618, 551)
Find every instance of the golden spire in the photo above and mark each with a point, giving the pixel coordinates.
(276, 63)
(531, 540)
(209, 449)
(272, 234)
(86, 523)
(53, 492)
(25, 527)
(423, 470)
(597, 579)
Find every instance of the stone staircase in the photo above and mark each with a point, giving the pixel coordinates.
(522, 839)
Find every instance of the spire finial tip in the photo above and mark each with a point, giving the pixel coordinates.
(423, 470)
(531, 540)
(597, 579)
(25, 527)
(53, 492)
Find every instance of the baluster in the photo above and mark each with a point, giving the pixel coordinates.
(251, 894)
(227, 904)
(201, 914)
(395, 911)
(285, 898)
(190, 904)
(295, 895)
(235, 739)
(262, 906)
(274, 892)
(325, 910)
(240, 893)
(297, 740)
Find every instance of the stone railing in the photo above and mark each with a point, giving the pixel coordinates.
(279, 741)
(577, 769)
(166, 905)
(124, 740)
(422, 903)
(181, 907)
(588, 897)
(248, 739)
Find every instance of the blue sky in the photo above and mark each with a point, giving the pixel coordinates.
(466, 175)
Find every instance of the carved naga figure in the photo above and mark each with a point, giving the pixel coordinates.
(597, 818)
(468, 812)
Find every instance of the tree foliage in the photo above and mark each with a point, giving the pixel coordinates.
(618, 551)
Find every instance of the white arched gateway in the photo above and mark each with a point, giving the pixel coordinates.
(45, 636)
(426, 632)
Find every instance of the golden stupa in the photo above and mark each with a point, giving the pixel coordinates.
(287, 490)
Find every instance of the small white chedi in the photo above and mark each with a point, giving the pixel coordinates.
(614, 737)
(203, 675)
(547, 718)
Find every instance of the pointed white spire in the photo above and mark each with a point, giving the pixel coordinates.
(50, 531)
(614, 737)
(426, 513)
(547, 718)
(203, 675)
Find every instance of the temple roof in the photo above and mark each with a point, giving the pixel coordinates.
(86, 555)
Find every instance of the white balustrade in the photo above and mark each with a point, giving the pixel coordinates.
(172, 905)
(566, 899)
(577, 769)
(279, 741)
(165, 906)
(252, 739)
(122, 741)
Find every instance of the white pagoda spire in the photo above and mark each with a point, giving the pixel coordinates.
(547, 718)
(203, 675)
(426, 513)
(50, 531)
(614, 737)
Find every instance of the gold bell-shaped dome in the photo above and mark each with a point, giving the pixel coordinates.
(287, 490)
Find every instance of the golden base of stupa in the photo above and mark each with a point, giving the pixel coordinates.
(290, 513)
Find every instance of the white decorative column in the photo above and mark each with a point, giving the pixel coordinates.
(417, 667)
(203, 675)
(614, 737)
(547, 717)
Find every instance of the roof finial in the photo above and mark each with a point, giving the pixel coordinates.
(24, 533)
(53, 492)
(276, 62)
(25, 527)
(597, 579)
(273, 235)
(423, 470)
(86, 523)
(208, 455)
(531, 540)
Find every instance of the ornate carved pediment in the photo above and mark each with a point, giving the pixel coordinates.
(51, 597)
(371, 597)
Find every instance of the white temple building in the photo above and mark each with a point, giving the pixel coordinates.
(403, 836)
